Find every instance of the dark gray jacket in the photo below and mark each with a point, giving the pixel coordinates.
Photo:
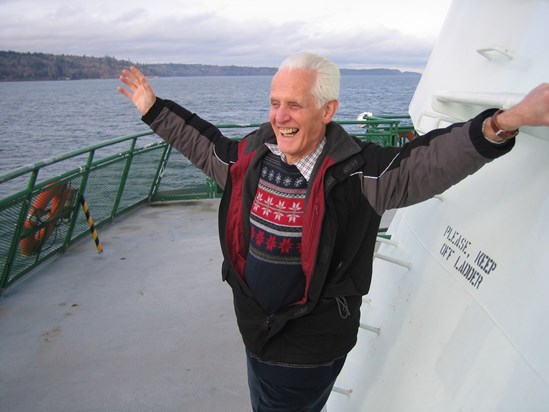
(353, 184)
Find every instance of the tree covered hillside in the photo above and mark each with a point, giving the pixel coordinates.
(16, 66)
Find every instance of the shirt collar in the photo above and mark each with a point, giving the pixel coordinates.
(306, 164)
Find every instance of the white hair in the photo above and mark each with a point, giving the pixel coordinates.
(328, 76)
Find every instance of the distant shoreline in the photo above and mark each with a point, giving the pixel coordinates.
(17, 66)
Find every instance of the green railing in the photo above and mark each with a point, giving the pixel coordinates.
(42, 206)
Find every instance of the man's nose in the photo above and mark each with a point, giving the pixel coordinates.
(282, 115)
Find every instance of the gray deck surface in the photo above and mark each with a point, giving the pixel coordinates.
(147, 325)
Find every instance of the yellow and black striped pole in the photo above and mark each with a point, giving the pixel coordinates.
(90, 224)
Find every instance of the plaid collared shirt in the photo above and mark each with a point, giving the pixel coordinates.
(306, 164)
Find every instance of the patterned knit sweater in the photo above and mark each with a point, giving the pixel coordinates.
(273, 266)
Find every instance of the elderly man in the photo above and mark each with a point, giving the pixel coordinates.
(300, 212)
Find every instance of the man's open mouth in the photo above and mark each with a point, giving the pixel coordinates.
(288, 132)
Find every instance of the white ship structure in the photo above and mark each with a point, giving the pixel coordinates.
(457, 318)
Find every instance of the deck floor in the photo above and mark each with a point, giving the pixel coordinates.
(147, 325)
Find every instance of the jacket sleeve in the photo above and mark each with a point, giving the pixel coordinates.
(428, 165)
(199, 141)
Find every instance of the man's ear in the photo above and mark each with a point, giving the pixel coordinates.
(330, 110)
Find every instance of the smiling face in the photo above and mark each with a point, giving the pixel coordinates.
(297, 121)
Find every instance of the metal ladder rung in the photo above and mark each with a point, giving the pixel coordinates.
(390, 259)
(346, 392)
(386, 241)
(374, 329)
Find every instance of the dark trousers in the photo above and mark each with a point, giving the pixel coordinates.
(285, 388)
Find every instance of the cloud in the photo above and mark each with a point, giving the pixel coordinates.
(210, 36)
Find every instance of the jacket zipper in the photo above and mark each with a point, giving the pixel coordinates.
(268, 322)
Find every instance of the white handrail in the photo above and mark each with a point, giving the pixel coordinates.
(503, 100)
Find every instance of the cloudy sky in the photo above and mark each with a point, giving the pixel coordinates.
(355, 34)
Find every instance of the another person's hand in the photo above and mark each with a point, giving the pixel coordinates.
(140, 92)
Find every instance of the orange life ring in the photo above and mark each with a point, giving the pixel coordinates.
(406, 135)
(44, 210)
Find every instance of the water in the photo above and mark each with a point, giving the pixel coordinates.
(43, 119)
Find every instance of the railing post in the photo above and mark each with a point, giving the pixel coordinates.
(4, 280)
(160, 170)
(124, 178)
(85, 175)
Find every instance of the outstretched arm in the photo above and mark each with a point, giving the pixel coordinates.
(532, 110)
(140, 92)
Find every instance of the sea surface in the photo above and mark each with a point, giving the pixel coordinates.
(42, 119)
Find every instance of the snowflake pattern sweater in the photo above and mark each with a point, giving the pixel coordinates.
(273, 267)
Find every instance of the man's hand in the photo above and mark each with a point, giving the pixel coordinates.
(140, 92)
(532, 110)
